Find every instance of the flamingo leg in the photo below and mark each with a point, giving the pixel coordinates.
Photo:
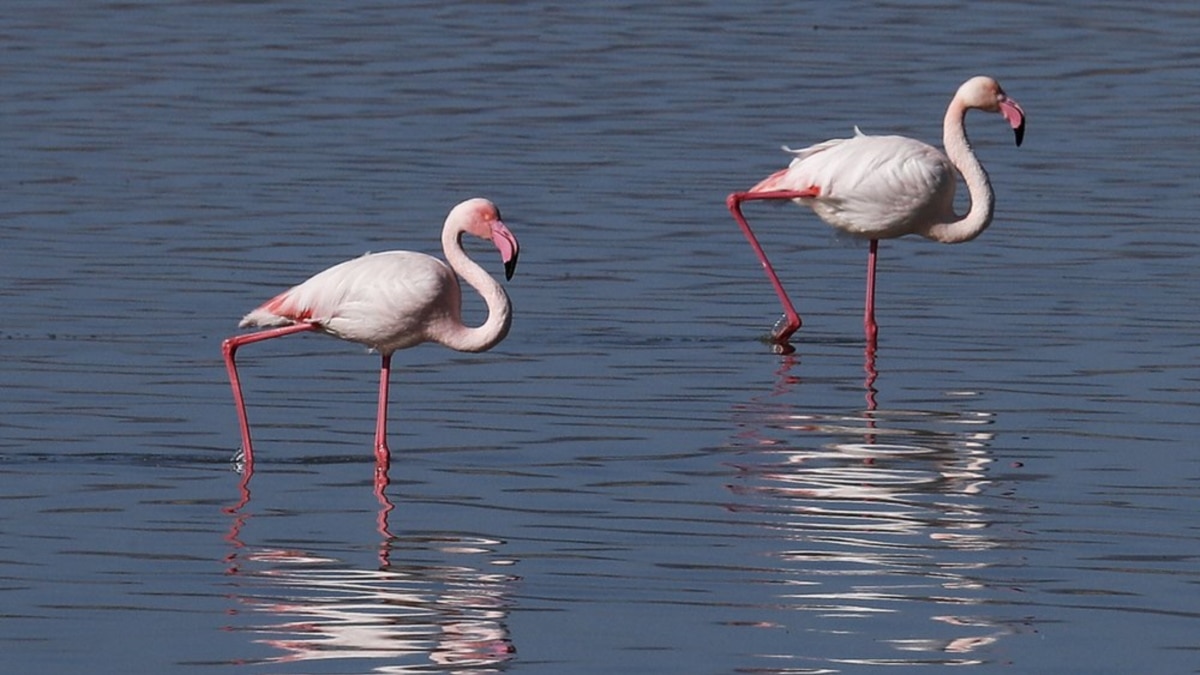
(869, 325)
(872, 332)
(382, 453)
(791, 320)
(229, 348)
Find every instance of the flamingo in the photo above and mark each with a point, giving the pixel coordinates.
(882, 187)
(389, 301)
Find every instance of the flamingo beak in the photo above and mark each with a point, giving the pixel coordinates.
(506, 243)
(1015, 115)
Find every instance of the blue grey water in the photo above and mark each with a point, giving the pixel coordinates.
(632, 481)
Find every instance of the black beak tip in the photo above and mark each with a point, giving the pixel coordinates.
(509, 268)
(1019, 132)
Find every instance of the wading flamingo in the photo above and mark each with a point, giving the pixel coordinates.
(389, 301)
(881, 187)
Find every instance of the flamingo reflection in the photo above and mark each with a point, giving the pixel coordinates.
(402, 617)
(324, 610)
(875, 512)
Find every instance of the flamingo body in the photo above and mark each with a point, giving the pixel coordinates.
(882, 187)
(386, 301)
(389, 301)
(876, 187)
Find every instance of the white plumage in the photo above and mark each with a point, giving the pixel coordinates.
(878, 187)
(882, 187)
(386, 301)
(391, 301)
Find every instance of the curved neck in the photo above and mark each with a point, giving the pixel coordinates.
(983, 200)
(455, 334)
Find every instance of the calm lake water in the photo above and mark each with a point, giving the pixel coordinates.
(632, 481)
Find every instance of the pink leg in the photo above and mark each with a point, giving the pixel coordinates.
(734, 202)
(381, 449)
(872, 330)
(229, 348)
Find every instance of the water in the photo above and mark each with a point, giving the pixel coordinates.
(631, 482)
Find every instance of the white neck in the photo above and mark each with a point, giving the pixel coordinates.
(958, 229)
(453, 333)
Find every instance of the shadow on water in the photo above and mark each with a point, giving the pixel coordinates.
(409, 617)
(879, 522)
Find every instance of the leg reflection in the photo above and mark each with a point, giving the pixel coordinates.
(382, 480)
(233, 536)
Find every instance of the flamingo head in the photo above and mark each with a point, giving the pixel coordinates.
(986, 94)
(481, 218)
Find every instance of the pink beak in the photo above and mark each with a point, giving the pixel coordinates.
(1015, 115)
(507, 244)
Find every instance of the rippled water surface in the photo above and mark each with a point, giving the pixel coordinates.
(632, 481)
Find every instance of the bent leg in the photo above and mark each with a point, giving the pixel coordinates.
(229, 348)
(791, 321)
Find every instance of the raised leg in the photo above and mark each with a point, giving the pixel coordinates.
(791, 320)
(871, 329)
(381, 449)
(229, 348)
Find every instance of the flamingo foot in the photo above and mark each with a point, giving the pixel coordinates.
(383, 458)
(782, 348)
(782, 332)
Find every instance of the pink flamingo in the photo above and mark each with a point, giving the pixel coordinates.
(389, 301)
(880, 187)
